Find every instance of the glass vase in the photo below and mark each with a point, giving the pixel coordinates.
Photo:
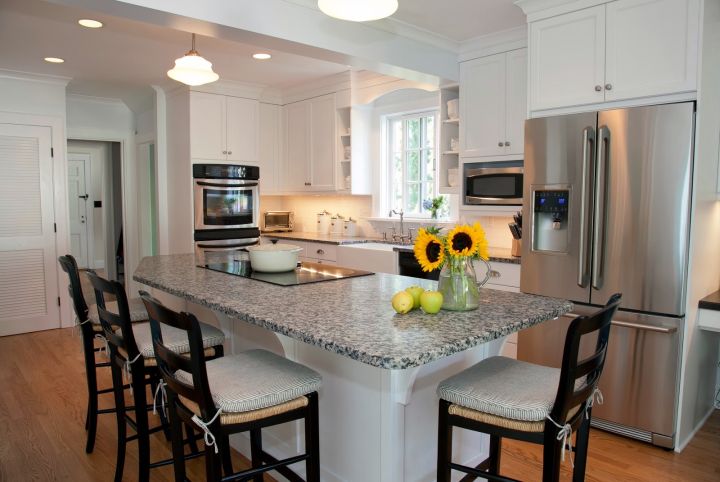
(458, 285)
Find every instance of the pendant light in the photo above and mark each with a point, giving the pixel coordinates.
(358, 10)
(192, 69)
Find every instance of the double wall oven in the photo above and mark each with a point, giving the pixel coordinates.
(226, 206)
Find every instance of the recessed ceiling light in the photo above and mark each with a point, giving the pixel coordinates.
(90, 23)
(262, 56)
(54, 60)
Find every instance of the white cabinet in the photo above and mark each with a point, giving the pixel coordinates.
(309, 145)
(493, 105)
(269, 150)
(358, 256)
(622, 50)
(223, 128)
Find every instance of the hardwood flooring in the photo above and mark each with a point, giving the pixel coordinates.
(42, 436)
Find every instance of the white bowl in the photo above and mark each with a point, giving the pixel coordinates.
(273, 258)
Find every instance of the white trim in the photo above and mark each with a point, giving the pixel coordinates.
(539, 9)
(494, 43)
(681, 445)
(92, 98)
(654, 100)
(31, 77)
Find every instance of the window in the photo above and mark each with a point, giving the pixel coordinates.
(412, 154)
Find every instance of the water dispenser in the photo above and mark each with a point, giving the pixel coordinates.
(550, 220)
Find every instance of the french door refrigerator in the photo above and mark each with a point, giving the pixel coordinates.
(607, 203)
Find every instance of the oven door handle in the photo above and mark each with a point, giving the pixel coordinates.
(250, 242)
(226, 186)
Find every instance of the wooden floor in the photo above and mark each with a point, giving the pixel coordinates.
(42, 410)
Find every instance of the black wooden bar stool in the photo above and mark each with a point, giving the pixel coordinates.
(509, 398)
(90, 328)
(245, 392)
(131, 353)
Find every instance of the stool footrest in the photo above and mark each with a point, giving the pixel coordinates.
(480, 471)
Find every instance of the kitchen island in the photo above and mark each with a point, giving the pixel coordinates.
(378, 406)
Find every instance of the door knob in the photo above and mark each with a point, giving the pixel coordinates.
(598, 88)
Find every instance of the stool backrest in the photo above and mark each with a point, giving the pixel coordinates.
(579, 378)
(69, 265)
(114, 323)
(170, 362)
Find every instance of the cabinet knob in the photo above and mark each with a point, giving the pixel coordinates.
(598, 88)
(500, 144)
(507, 143)
(320, 251)
(308, 184)
(224, 152)
(229, 152)
(608, 86)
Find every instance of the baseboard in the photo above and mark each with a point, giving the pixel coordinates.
(681, 446)
(99, 264)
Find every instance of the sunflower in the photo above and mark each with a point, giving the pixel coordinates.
(482, 250)
(463, 241)
(429, 251)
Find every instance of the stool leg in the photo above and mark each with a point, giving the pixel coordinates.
(92, 411)
(176, 431)
(495, 452)
(444, 443)
(137, 376)
(213, 471)
(256, 451)
(552, 451)
(225, 454)
(312, 439)
(119, 394)
(582, 441)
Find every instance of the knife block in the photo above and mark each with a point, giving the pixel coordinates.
(516, 248)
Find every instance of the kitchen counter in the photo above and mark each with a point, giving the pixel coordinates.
(710, 302)
(351, 317)
(498, 255)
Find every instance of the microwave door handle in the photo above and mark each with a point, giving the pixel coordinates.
(588, 151)
(226, 186)
(603, 159)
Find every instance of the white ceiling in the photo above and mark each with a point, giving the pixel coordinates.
(460, 20)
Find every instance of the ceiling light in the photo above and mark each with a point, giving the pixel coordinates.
(90, 23)
(193, 69)
(262, 56)
(358, 11)
(54, 60)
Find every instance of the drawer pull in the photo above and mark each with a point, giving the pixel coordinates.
(494, 274)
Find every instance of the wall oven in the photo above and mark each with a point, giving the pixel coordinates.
(494, 183)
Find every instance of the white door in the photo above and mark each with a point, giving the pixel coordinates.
(482, 106)
(28, 261)
(242, 129)
(77, 207)
(207, 126)
(652, 47)
(295, 175)
(516, 100)
(567, 59)
(322, 143)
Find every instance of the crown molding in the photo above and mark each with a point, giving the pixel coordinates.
(95, 99)
(539, 9)
(490, 44)
(232, 87)
(322, 86)
(32, 77)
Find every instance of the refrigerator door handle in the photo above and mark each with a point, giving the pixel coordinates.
(588, 151)
(627, 324)
(603, 158)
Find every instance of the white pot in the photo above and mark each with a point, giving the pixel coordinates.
(273, 258)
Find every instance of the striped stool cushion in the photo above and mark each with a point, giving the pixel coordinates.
(176, 340)
(256, 379)
(505, 388)
(135, 305)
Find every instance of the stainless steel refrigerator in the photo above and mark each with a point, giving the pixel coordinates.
(607, 203)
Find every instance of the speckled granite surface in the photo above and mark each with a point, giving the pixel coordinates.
(499, 255)
(351, 317)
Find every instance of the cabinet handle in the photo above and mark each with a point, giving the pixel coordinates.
(308, 184)
(500, 144)
(598, 88)
(507, 143)
(320, 251)
(608, 86)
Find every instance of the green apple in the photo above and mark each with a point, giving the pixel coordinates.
(415, 291)
(402, 302)
(431, 301)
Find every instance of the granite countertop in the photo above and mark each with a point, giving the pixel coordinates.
(351, 317)
(710, 302)
(499, 255)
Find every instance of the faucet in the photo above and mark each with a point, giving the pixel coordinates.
(402, 237)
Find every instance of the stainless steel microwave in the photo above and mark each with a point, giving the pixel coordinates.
(494, 183)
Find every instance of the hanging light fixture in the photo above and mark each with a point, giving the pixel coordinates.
(358, 11)
(193, 69)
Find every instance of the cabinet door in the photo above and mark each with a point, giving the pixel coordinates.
(567, 59)
(269, 149)
(207, 126)
(516, 84)
(482, 106)
(651, 48)
(322, 143)
(295, 175)
(242, 129)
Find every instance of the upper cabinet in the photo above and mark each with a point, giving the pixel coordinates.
(493, 104)
(223, 128)
(621, 50)
(269, 150)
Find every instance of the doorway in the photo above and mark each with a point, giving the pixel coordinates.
(96, 206)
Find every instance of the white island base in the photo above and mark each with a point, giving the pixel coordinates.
(376, 425)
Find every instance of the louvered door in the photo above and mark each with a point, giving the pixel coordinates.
(28, 266)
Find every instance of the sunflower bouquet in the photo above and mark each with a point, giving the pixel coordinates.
(453, 253)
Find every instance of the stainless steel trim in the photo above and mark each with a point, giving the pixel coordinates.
(227, 243)
(583, 268)
(493, 200)
(603, 155)
(224, 185)
(483, 171)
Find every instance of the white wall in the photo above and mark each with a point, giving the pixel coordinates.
(700, 350)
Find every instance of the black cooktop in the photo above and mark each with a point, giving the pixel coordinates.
(305, 273)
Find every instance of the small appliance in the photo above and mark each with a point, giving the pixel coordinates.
(278, 221)
(494, 183)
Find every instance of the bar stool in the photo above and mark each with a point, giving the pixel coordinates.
(245, 392)
(90, 328)
(131, 354)
(504, 397)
